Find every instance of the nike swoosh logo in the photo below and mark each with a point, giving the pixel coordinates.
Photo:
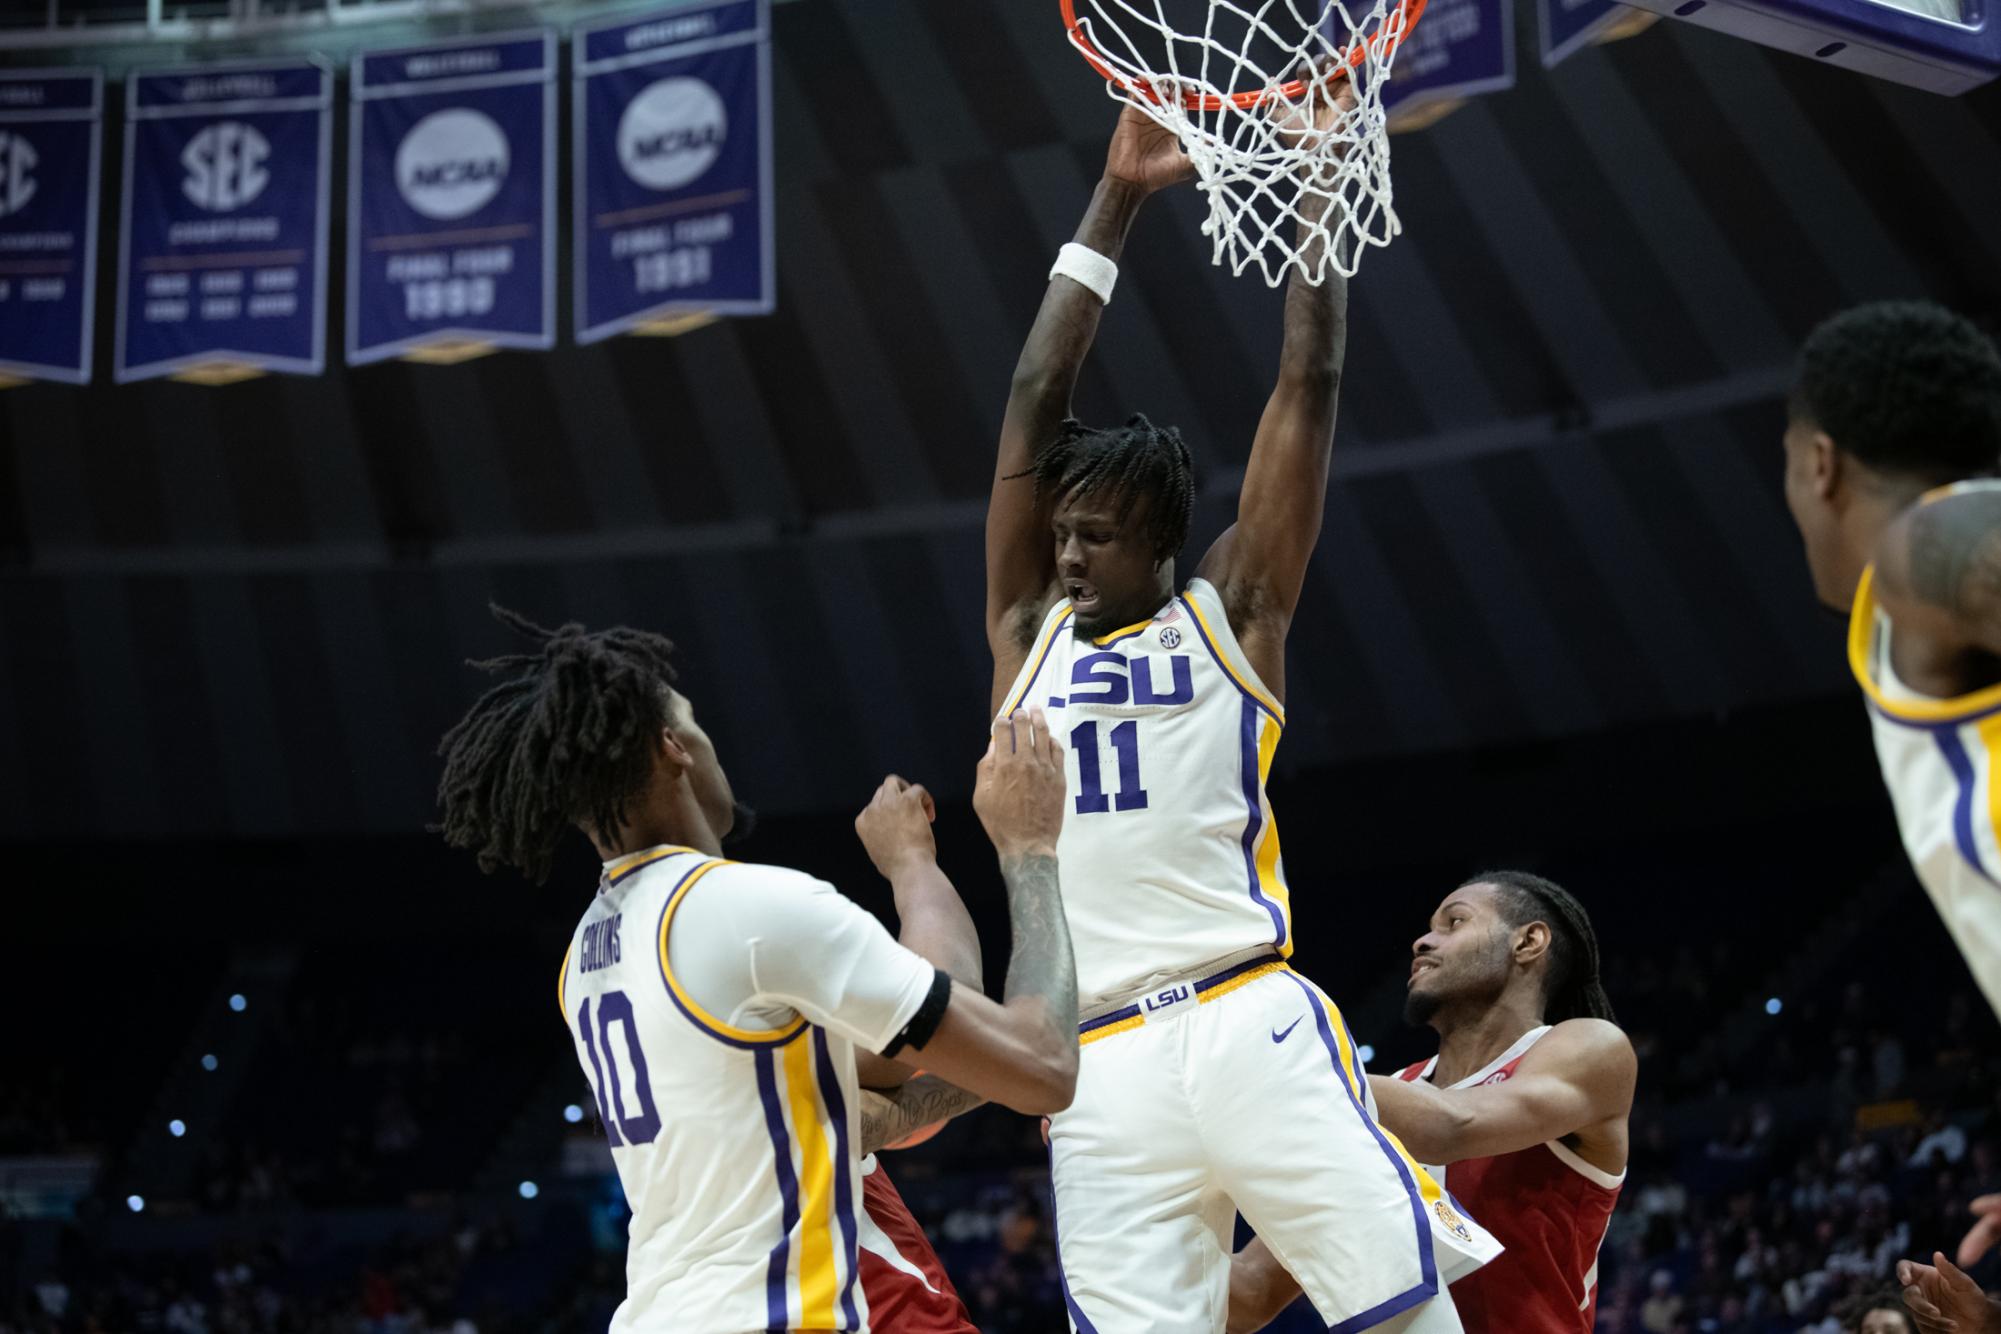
(1277, 1036)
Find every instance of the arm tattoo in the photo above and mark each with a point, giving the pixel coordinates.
(1042, 964)
(1955, 560)
(893, 1116)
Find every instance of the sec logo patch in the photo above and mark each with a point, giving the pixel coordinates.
(1170, 637)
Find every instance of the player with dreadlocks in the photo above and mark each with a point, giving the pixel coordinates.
(1192, 1105)
(1524, 1107)
(723, 1012)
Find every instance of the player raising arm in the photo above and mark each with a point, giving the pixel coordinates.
(1117, 502)
(1171, 697)
(716, 1008)
(1523, 1111)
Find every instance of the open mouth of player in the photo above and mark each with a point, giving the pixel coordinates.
(1084, 598)
(1419, 967)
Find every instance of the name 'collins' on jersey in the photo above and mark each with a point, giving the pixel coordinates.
(1168, 853)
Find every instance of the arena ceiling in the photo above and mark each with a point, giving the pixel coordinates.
(1556, 509)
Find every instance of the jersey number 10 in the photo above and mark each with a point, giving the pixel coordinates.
(1092, 798)
(614, 1008)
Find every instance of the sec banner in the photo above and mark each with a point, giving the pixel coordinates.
(222, 257)
(451, 198)
(673, 160)
(49, 147)
(1459, 48)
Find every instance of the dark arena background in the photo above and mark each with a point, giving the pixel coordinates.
(277, 1059)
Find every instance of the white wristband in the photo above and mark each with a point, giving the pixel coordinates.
(1087, 268)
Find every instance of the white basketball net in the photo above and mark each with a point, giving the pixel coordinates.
(1291, 185)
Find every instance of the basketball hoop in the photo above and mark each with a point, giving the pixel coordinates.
(1294, 182)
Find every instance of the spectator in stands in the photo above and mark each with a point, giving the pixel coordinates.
(1876, 1313)
(1943, 1141)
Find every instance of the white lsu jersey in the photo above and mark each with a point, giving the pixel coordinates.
(1169, 856)
(731, 1120)
(1939, 763)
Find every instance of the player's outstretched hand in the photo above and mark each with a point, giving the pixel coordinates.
(895, 826)
(1020, 790)
(1146, 155)
(1944, 1300)
(1985, 1234)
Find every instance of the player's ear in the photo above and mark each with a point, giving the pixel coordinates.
(1531, 942)
(673, 752)
(1825, 460)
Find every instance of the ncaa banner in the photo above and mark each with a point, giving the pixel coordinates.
(673, 166)
(1567, 26)
(50, 132)
(1461, 47)
(222, 261)
(451, 236)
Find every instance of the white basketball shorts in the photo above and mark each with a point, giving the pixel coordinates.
(1240, 1092)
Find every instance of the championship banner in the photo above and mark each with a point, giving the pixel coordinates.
(673, 167)
(451, 235)
(1568, 26)
(1459, 48)
(50, 133)
(222, 257)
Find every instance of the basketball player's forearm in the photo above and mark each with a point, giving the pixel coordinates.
(1431, 1125)
(1316, 323)
(935, 925)
(888, 1118)
(1067, 324)
(1041, 971)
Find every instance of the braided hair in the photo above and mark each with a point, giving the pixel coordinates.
(1571, 989)
(567, 738)
(1122, 464)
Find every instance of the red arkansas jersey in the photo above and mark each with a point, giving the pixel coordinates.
(906, 1287)
(1548, 1207)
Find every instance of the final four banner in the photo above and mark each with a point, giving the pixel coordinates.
(673, 161)
(451, 197)
(50, 131)
(222, 258)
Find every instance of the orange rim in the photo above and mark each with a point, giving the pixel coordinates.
(1409, 11)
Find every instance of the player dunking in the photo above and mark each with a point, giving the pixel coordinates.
(718, 1009)
(1213, 1078)
(1524, 1107)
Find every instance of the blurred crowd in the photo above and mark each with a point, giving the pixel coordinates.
(1787, 1152)
(440, 1283)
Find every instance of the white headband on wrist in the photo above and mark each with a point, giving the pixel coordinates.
(1089, 269)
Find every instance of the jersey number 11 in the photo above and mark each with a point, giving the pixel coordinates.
(1092, 799)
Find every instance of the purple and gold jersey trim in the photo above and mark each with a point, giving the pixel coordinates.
(1123, 632)
(1242, 679)
(563, 983)
(814, 1266)
(747, 1038)
(624, 867)
(1041, 655)
(1418, 1184)
(1214, 987)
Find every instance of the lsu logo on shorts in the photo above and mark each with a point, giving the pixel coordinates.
(1453, 1222)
